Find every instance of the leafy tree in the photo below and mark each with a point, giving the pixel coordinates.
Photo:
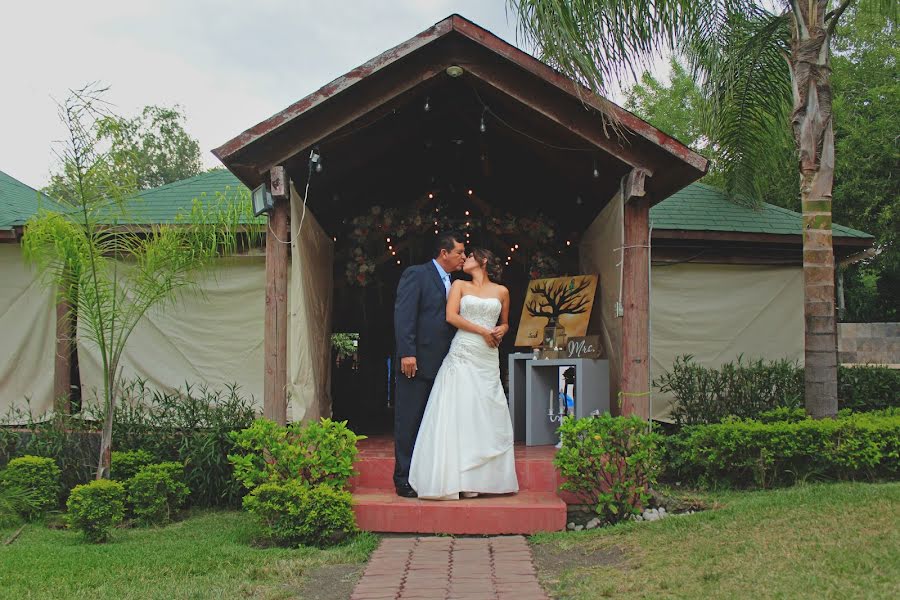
(763, 65)
(143, 152)
(110, 272)
(867, 140)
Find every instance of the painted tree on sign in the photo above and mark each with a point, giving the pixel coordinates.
(765, 68)
(109, 272)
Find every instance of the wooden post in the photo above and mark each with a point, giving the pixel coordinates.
(276, 322)
(62, 368)
(634, 383)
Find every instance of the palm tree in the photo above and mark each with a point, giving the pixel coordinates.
(763, 64)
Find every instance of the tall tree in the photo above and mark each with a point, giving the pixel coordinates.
(143, 152)
(765, 67)
(109, 272)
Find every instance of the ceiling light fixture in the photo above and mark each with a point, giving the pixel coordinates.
(454, 70)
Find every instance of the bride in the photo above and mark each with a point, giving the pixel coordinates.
(465, 442)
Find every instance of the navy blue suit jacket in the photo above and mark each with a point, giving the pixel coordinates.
(420, 319)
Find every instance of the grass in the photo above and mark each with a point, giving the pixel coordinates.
(811, 541)
(209, 555)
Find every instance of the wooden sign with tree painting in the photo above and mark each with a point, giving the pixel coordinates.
(563, 300)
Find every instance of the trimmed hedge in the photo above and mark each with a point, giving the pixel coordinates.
(96, 507)
(750, 453)
(125, 465)
(156, 492)
(292, 513)
(37, 476)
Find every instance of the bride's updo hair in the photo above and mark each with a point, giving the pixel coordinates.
(491, 263)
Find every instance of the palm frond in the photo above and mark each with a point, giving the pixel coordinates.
(747, 91)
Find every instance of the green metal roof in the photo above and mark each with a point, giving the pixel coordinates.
(18, 202)
(164, 203)
(700, 207)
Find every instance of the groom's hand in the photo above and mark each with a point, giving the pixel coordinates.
(408, 366)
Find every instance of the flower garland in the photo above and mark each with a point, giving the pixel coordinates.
(380, 229)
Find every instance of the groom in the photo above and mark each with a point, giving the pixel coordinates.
(423, 340)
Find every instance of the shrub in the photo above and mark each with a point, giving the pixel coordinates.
(156, 492)
(705, 395)
(38, 475)
(15, 502)
(191, 426)
(125, 465)
(96, 507)
(609, 462)
(292, 512)
(749, 453)
(864, 388)
(317, 453)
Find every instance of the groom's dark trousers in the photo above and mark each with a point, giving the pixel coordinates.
(421, 330)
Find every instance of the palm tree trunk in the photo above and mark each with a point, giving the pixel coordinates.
(105, 462)
(814, 134)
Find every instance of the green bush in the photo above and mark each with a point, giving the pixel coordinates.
(15, 502)
(156, 492)
(125, 465)
(748, 453)
(741, 389)
(291, 513)
(320, 452)
(191, 426)
(747, 389)
(96, 507)
(864, 388)
(609, 462)
(35, 474)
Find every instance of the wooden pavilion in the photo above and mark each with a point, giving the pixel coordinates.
(458, 108)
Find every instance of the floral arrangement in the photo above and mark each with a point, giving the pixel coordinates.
(375, 232)
(542, 266)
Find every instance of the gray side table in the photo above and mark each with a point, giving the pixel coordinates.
(531, 383)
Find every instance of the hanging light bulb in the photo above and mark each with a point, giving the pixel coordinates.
(467, 213)
(568, 243)
(578, 200)
(398, 261)
(334, 238)
(512, 249)
(435, 232)
(430, 196)
(470, 192)
(517, 246)
(393, 253)
(389, 240)
(427, 106)
(482, 127)
(596, 172)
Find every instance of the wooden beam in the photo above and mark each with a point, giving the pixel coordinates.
(634, 384)
(586, 124)
(62, 367)
(276, 321)
(279, 183)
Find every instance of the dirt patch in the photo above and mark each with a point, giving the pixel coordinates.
(551, 559)
(331, 582)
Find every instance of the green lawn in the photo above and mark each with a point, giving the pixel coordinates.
(811, 541)
(208, 555)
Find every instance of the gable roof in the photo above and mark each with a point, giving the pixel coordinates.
(700, 207)
(18, 202)
(487, 61)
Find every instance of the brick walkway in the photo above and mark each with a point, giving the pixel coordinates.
(444, 568)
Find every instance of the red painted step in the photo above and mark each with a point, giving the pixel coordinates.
(527, 512)
(537, 506)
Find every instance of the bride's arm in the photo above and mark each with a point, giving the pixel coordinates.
(503, 324)
(455, 319)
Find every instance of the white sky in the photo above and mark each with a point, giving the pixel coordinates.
(228, 63)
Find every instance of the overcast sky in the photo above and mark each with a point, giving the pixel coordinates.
(228, 63)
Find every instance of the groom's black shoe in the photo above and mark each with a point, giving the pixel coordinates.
(406, 491)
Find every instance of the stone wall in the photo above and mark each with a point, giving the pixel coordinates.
(869, 343)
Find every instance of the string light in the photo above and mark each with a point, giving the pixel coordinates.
(568, 243)
(435, 232)
(389, 240)
(482, 127)
(509, 258)
(334, 238)
(470, 193)
(517, 246)
(596, 172)
(430, 196)
(427, 106)
(467, 213)
(393, 253)
(398, 261)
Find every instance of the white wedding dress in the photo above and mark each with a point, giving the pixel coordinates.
(465, 442)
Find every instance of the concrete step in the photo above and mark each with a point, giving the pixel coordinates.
(527, 512)
(534, 467)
